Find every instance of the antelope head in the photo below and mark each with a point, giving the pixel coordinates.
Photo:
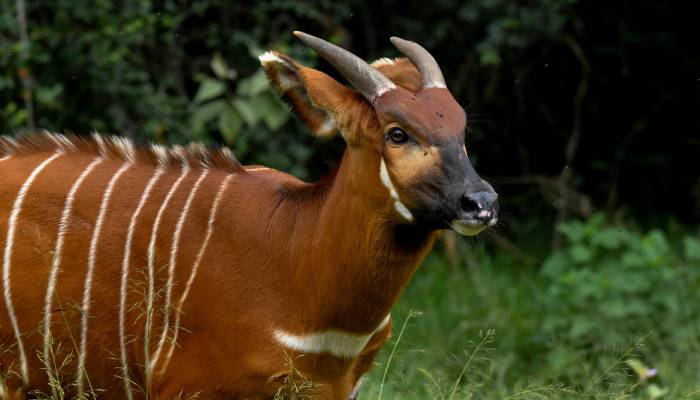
(402, 114)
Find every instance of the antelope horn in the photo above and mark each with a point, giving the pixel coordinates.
(426, 64)
(366, 79)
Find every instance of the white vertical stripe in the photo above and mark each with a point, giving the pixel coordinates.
(125, 278)
(56, 263)
(198, 259)
(92, 257)
(171, 266)
(398, 205)
(7, 259)
(151, 274)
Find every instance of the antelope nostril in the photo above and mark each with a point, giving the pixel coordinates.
(481, 205)
(469, 204)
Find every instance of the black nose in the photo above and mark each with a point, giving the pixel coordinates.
(480, 205)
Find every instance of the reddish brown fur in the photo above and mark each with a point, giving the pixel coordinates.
(285, 254)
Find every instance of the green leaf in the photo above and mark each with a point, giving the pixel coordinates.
(206, 113)
(275, 114)
(220, 68)
(48, 95)
(655, 247)
(692, 248)
(209, 89)
(555, 264)
(253, 85)
(581, 326)
(655, 392)
(595, 223)
(490, 57)
(230, 124)
(610, 238)
(580, 253)
(574, 231)
(248, 111)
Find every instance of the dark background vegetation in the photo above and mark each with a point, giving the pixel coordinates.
(584, 114)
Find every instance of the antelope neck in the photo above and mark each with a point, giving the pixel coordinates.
(364, 249)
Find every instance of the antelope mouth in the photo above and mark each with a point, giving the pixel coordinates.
(471, 226)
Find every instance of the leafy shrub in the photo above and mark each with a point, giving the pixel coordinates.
(609, 275)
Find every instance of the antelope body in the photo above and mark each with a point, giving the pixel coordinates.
(132, 273)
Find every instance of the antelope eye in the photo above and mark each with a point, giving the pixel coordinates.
(397, 135)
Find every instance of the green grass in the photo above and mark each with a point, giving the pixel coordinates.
(485, 333)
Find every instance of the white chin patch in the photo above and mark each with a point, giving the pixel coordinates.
(466, 229)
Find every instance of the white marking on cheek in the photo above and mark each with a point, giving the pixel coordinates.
(7, 262)
(398, 205)
(5, 158)
(405, 212)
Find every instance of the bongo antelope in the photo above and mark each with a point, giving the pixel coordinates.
(132, 273)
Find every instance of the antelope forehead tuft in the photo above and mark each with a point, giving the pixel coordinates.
(270, 57)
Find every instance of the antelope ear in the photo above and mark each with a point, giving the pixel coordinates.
(322, 103)
(401, 71)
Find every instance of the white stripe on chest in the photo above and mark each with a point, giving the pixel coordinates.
(334, 342)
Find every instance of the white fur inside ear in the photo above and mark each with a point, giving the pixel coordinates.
(282, 70)
(287, 81)
(270, 57)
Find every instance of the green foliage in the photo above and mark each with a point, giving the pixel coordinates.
(514, 26)
(612, 275)
(611, 315)
(167, 72)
